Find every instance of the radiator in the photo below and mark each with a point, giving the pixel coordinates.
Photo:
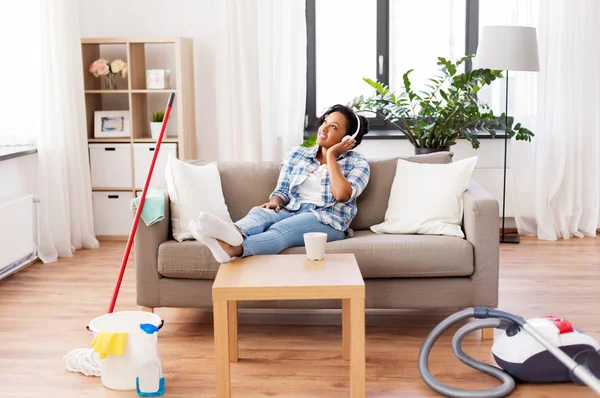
(18, 233)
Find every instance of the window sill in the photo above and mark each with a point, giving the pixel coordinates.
(15, 151)
(376, 134)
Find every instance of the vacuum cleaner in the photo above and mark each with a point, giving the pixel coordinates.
(539, 350)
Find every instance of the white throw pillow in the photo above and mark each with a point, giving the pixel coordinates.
(193, 189)
(427, 199)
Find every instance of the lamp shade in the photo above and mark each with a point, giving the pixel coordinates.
(508, 48)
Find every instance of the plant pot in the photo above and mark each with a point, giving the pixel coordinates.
(423, 151)
(155, 129)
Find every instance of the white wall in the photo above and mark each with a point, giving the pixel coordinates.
(18, 176)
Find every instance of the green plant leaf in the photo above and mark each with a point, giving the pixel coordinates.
(406, 81)
(444, 95)
(158, 116)
(371, 82)
(310, 141)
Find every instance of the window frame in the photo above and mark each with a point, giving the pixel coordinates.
(379, 128)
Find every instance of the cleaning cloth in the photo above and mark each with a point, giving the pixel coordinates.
(106, 343)
(154, 206)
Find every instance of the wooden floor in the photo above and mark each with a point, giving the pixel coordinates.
(44, 310)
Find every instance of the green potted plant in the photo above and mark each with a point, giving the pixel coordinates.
(156, 123)
(433, 120)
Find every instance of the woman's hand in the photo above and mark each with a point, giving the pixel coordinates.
(270, 205)
(274, 203)
(340, 186)
(345, 145)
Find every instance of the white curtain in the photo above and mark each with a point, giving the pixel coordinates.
(261, 78)
(555, 179)
(567, 161)
(66, 218)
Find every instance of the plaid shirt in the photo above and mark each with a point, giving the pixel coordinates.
(300, 162)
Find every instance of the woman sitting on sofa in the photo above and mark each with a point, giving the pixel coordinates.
(316, 192)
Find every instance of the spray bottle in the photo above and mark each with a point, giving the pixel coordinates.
(150, 381)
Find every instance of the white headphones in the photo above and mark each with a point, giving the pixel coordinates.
(357, 129)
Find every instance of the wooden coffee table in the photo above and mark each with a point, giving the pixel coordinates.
(290, 277)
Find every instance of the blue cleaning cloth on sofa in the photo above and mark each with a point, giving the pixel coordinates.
(154, 206)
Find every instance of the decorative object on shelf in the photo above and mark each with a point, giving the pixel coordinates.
(156, 123)
(508, 48)
(435, 119)
(112, 124)
(158, 79)
(103, 68)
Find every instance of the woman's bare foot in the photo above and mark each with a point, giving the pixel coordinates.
(233, 251)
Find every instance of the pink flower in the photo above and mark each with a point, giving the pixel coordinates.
(102, 70)
(99, 65)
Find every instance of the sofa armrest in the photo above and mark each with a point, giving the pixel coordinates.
(481, 226)
(146, 243)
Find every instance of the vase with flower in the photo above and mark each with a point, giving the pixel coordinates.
(103, 68)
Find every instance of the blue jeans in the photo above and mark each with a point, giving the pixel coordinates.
(268, 232)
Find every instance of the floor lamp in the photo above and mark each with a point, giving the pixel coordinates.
(507, 48)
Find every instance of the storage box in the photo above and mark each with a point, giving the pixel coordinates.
(110, 165)
(112, 213)
(142, 155)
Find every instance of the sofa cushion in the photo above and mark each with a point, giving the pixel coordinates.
(373, 202)
(378, 256)
(405, 256)
(193, 189)
(246, 184)
(434, 203)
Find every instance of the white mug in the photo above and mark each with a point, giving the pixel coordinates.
(315, 245)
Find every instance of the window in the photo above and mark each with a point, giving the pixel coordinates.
(352, 39)
(420, 32)
(344, 53)
(19, 39)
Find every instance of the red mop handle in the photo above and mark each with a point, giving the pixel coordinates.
(141, 205)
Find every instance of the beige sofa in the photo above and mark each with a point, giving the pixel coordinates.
(400, 271)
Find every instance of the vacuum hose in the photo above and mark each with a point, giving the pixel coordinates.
(491, 318)
(508, 384)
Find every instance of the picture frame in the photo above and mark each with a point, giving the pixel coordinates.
(158, 79)
(112, 124)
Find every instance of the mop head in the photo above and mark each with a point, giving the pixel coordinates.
(83, 360)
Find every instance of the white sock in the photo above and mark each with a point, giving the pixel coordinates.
(214, 227)
(215, 248)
